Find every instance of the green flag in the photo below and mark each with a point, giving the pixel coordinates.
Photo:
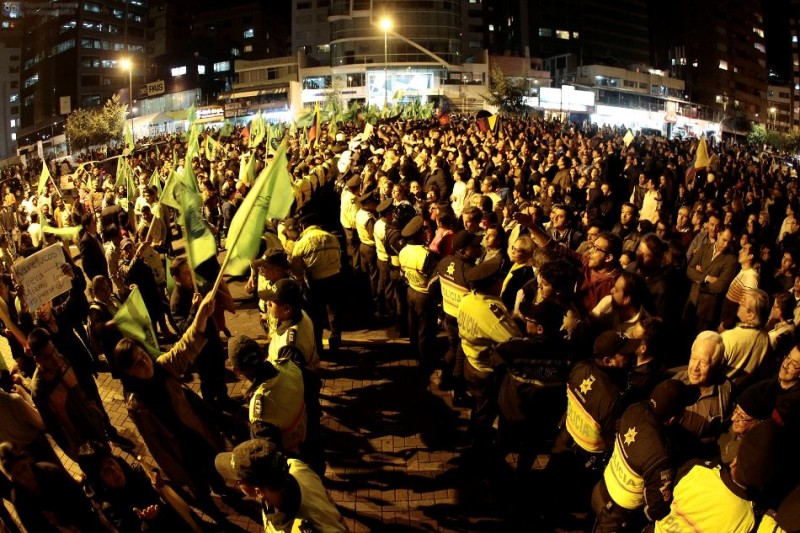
(226, 130)
(200, 243)
(129, 138)
(170, 279)
(43, 177)
(69, 231)
(170, 196)
(133, 321)
(257, 130)
(191, 115)
(155, 181)
(270, 197)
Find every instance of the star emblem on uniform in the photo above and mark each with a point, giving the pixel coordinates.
(630, 436)
(451, 269)
(586, 384)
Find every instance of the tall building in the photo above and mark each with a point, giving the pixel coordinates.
(9, 100)
(612, 33)
(794, 38)
(71, 57)
(719, 48)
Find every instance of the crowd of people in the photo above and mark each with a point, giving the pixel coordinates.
(609, 302)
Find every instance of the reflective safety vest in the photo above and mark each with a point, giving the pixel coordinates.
(625, 486)
(379, 233)
(582, 427)
(452, 293)
(412, 263)
(702, 502)
(769, 525)
(483, 323)
(362, 219)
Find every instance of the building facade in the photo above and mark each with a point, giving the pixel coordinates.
(71, 58)
(9, 100)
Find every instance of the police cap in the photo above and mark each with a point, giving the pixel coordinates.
(611, 343)
(484, 271)
(354, 182)
(414, 226)
(464, 239)
(384, 205)
(369, 197)
(287, 291)
(244, 353)
(547, 313)
(273, 256)
(671, 397)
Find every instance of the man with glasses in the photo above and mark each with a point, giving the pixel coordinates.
(599, 265)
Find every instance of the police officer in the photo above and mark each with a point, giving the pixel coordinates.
(709, 496)
(400, 215)
(639, 476)
(276, 407)
(268, 269)
(483, 323)
(531, 393)
(347, 217)
(294, 341)
(317, 256)
(594, 403)
(383, 298)
(418, 267)
(452, 272)
(365, 228)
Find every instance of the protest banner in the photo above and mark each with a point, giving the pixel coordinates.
(42, 277)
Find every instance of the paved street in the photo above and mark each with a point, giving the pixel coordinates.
(393, 442)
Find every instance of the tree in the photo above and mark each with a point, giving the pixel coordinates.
(507, 93)
(92, 127)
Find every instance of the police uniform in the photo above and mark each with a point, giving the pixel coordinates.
(452, 271)
(593, 406)
(365, 228)
(278, 401)
(347, 218)
(483, 323)
(639, 474)
(300, 337)
(320, 255)
(418, 268)
(383, 298)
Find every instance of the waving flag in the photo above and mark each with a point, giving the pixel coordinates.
(270, 197)
(43, 177)
(133, 320)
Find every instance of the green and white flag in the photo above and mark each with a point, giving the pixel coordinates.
(270, 197)
(133, 321)
(43, 177)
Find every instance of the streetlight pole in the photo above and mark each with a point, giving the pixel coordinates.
(127, 64)
(386, 25)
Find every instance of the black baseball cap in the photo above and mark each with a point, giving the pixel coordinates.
(611, 343)
(286, 291)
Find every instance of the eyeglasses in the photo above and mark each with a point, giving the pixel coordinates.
(741, 416)
(595, 247)
(788, 363)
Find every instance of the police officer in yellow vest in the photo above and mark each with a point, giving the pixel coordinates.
(483, 323)
(639, 476)
(384, 298)
(316, 256)
(709, 496)
(347, 217)
(418, 267)
(365, 228)
(594, 392)
(399, 216)
(786, 519)
(277, 407)
(452, 272)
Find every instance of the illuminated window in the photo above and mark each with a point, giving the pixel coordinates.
(545, 32)
(249, 33)
(178, 71)
(222, 66)
(248, 48)
(723, 65)
(201, 69)
(761, 48)
(561, 34)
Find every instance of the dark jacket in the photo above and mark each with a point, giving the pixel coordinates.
(93, 257)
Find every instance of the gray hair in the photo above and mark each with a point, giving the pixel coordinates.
(757, 301)
(713, 339)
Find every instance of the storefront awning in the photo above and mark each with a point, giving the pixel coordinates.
(260, 92)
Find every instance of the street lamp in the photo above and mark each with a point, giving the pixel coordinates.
(773, 111)
(386, 25)
(127, 64)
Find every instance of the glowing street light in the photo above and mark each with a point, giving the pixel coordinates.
(127, 64)
(386, 25)
(773, 111)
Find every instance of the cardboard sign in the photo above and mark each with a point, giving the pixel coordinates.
(42, 277)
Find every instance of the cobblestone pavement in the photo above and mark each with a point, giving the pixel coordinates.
(393, 443)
